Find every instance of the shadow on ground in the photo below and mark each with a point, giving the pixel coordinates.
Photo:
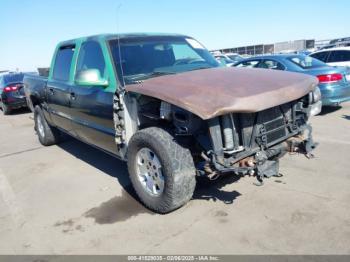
(213, 190)
(118, 208)
(346, 117)
(121, 208)
(329, 109)
(98, 159)
(19, 111)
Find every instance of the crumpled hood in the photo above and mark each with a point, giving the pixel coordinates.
(218, 91)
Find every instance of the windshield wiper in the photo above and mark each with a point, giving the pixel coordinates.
(161, 73)
(202, 67)
(140, 77)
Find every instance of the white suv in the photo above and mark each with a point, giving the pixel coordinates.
(337, 56)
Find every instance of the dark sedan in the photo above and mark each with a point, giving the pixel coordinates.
(334, 82)
(11, 92)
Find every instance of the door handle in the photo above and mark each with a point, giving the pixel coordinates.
(72, 96)
(51, 92)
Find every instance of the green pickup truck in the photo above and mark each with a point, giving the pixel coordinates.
(163, 103)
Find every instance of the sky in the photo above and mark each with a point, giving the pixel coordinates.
(30, 29)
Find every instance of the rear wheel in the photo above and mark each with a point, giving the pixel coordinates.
(5, 109)
(47, 134)
(161, 170)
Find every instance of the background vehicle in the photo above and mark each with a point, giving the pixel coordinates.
(163, 104)
(337, 56)
(223, 59)
(11, 92)
(303, 52)
(234, 57)
(334, 83)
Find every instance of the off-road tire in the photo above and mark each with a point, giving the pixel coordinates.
(51, 135)
(177, 167)
(5, 109)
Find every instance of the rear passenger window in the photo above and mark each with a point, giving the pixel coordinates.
(63, 63)
(271, 64)
(339, 56)
(91, 57)
(248, 64)
(322, 56)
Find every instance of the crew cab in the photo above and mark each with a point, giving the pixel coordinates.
(163, 103)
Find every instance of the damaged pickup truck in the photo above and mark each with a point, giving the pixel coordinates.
(163, 104)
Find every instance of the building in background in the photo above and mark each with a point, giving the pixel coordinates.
(2, 72)
(286, 47)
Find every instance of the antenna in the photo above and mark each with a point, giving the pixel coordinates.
(119, 50)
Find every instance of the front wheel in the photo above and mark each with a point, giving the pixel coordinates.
(161, 171)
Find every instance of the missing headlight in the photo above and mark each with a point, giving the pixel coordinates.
(316, 95)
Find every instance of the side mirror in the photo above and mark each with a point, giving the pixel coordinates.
(90, 77)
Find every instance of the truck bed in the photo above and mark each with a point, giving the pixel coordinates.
(34, 87)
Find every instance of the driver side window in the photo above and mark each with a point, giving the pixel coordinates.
(91, 57)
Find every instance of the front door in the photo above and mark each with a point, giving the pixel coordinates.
(92, 106)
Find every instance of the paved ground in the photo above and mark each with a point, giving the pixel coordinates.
(73, 199)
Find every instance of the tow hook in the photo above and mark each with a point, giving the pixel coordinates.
(310, 156)
(260, 158)
(259, 182)
(265, 167)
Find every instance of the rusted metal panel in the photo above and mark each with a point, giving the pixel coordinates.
(218, 91)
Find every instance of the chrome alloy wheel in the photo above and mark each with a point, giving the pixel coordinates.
(40, 126)
(149, 171)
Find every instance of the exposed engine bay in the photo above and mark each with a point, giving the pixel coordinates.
(239, 143)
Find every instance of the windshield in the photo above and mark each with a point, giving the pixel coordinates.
(306, 62)
(145, 57)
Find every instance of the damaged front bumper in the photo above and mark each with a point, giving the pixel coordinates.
(260, 161)
(262, 138)
(316, 108)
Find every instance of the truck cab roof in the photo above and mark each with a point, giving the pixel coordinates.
(120, 36)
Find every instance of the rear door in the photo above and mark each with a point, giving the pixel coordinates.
(59, 86)
(92, 106)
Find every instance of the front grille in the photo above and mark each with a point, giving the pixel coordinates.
(271, 126)
(275, 135)
(274, 130)
(262, 129)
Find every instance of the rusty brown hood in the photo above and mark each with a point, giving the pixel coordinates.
(217, 91)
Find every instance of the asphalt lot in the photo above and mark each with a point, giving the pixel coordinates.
(74, 199)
